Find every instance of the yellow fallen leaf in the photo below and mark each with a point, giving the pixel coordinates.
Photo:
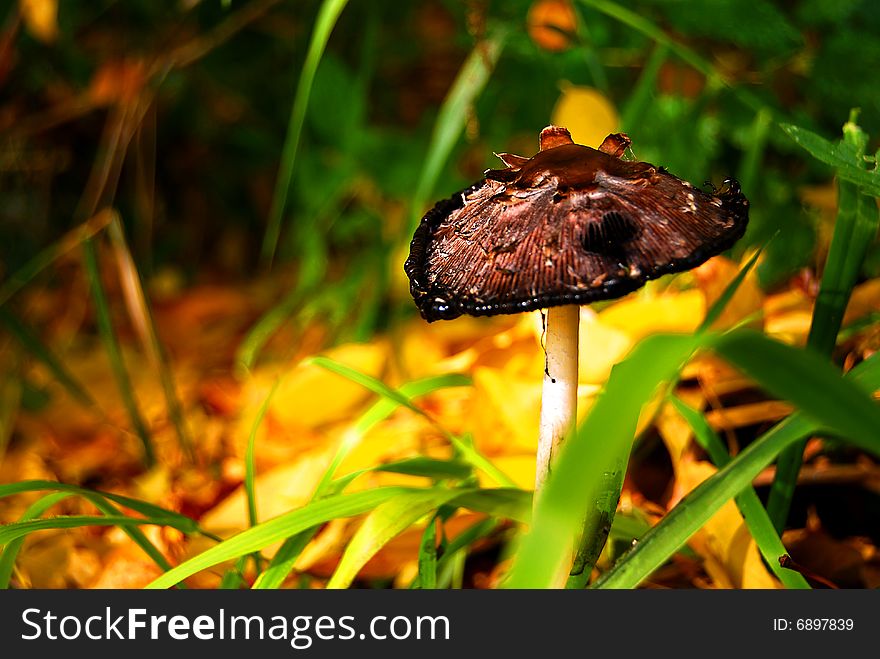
(600, 346)
(277, 491)
(587, 113)
(730, 554)
(715, 275)
(507, 411)
(309, 396)
(40, 18)
(639, 316)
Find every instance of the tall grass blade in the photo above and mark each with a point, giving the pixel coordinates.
(41, 352)
(114, 354)
(730, 290)
(15, 530)
(142, 318)
(698, 506)
(327, 16)
(842, 156)
(278, 528)
(854, 232)
(639, 100)
(10, 552)
(382, 525)
(641, 24)
(756, 518)
(49, 255)
(467, 451)
(285, 558)
(98, 497)
(427, 561)
(451, 119)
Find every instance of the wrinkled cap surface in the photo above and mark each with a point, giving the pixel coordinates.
(570, 225)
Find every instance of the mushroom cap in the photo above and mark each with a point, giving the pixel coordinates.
(570, 225)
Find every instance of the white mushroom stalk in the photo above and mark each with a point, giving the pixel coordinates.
(559, 395)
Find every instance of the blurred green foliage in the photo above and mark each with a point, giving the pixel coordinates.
(198, 180)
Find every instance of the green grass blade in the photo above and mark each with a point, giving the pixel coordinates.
(757, 141)
(427, 467)
(32, 343)
(381, 526)
(257, 336)
(451, 119)
(175, 519)
(142, 318)
(753, 512)
(285, 558)
(401, 512)
(639, 100)
(10, 553)
(250, 457)
(698, 506)
(278, 528)
(730, 290)
(19, 529)
(854, 232)
(640, 24)
(842, 157)
(49, 255)
(468, 452)
(597, 452)
(807, 380)
(327, 16)
(427, 577)
(114, 354)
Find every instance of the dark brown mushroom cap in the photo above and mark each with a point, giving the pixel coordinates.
(570, 225)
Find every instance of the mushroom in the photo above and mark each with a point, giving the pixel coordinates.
(569, 226)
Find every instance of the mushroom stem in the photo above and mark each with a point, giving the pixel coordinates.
(559, 396)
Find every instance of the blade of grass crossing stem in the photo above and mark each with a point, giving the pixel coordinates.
(327, 16)
(49, 255)
(277, 529)
(10, 552)
(32, 343)
(427, 560)
(854, 232)
(468, 452)
(471, 79)
(670, 534)
(142, 318)
(585, 464)
(756, 518)
(285, 558)
(114, 354)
